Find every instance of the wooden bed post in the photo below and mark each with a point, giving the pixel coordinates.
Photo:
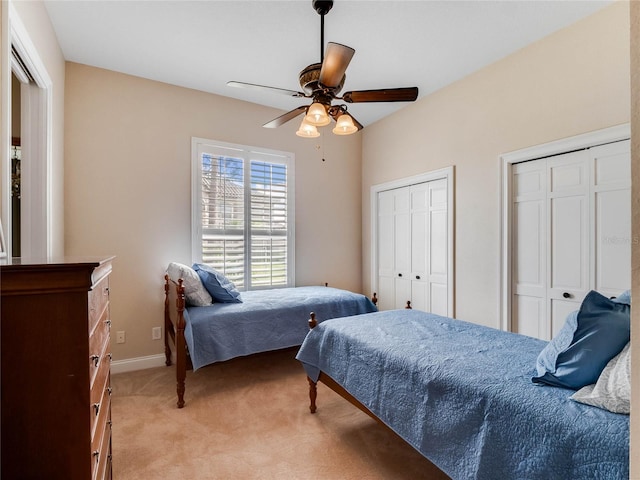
(181, 354)
(313, 393)
(313, 387)
(168, 326)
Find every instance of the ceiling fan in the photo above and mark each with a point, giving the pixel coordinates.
(322, 82)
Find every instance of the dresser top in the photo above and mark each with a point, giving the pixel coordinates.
(51, 261)
(19, 275)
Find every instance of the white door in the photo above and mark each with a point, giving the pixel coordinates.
(394, 247)
(413, 247)
(568, 180)
(571, 227)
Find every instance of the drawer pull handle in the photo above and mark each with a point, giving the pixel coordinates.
(399, 274)
(108, 322)
(109, 389)
(96, 455)
(417, 277)
(96, 407)
(566, 295)
(96, 359)
(106, 291)
(109, 355)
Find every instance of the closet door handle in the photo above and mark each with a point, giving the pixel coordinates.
(567, 295)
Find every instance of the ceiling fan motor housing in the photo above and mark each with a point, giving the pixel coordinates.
(309, 80)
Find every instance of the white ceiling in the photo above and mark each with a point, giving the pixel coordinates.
(204, 44)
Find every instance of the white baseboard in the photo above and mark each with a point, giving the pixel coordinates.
(139, 363)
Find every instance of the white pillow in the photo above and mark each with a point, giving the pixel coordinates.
(194, 291)
(612, 391)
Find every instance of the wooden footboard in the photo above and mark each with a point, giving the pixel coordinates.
(174, 325)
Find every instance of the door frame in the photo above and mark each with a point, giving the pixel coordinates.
(36, 141)
(507, 160)
(447, 174)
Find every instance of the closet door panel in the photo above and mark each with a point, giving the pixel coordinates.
(420, 246)
(438, 248)
(402, 232)
(420, 295)
(528, 309)
(386, 293)
(569, 243)
(528, 316)
(439, 299)
(402, 292)
(613, 244)
(569, 236)
(386, 250)
(612, 218)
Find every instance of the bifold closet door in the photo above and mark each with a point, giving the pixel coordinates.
(394, 248)
(413, 247)
(571, 226)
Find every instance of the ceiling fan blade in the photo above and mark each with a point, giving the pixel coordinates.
(408, 94)
(290, 93)
(335, 63)
(282, 119)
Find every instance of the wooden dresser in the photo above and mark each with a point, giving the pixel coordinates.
(55, 369)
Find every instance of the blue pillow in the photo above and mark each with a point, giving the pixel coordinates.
(219, 287)
(589, 338)
(624, 297)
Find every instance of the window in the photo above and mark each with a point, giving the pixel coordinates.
(242, 213)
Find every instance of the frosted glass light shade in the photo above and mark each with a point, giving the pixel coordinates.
(307, 131)
(344, 125)
(317, 115)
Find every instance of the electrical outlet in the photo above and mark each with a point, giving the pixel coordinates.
(120, 336)
(156, 333)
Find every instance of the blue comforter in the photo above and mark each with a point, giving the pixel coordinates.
(461, 394)
(265, 320)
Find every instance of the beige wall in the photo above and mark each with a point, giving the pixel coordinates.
(635, 255)
(127, 184)
(572, 82)
(35, 18)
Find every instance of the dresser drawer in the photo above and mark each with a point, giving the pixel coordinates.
(99, 347)
(100, 402)
(98, 301)
(101, 449)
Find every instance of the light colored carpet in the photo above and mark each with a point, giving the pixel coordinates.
(249, 418)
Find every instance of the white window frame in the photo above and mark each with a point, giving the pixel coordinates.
(199, 145)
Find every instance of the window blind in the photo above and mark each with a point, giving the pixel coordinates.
(244, 211)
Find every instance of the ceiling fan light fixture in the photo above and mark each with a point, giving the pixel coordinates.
(317, 115)
(307, 130)
(345, 125)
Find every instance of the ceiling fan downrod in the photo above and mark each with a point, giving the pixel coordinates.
(322, 7)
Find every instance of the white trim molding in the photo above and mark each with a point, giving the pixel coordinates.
(446, 173)
(507, 160)
(138, 363)
(36, 128)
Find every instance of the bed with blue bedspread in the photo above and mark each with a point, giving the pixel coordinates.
(264, 320)
(462, 395)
